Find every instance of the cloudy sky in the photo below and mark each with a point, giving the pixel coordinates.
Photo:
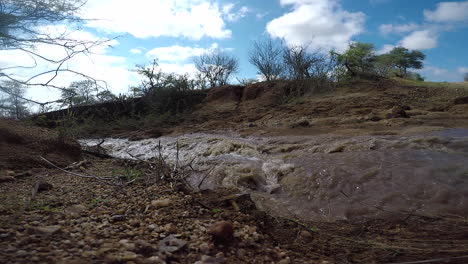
(173, 31)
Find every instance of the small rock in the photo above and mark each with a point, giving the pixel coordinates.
(117, 218)
(170, 228)
(10, 173)
(222, 232)
(154, 260)
(144, 248)
(154, 227)
(43, 186)
(128, 256)
(204, 248)
(211, 260)
(7, 179)
(171, 244)
(306, 236)
(45, 230)
(75, 210)
(160, 203)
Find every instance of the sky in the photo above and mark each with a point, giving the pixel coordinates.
(174, 31)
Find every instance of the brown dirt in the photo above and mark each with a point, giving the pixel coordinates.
(21, 146)
(361, 107)
(119, 225)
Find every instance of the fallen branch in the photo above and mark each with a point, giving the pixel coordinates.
(105, 180)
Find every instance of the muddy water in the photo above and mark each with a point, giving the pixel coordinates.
(326, 178)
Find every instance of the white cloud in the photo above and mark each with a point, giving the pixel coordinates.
(322, 23)
(423, 39)
(437, 74)
(385, 49)
(463, 70)
(193, 19)
(390, 28)
(235, 15)
(448, 12)
(136, 51)
(178, 53)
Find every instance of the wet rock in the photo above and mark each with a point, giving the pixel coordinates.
(222, 232)
(160, 203)
(171, 244)
(7, 179)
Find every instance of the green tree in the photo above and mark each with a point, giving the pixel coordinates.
(358, 59)
(405, 59)
(465, 77)
(83, 92)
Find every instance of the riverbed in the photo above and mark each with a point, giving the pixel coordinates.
(324, 177)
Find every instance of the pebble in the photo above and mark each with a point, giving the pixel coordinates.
(160, 203)
(222, 232)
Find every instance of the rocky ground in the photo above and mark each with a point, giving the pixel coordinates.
(80, 220)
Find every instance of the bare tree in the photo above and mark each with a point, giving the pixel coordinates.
(22, 29)
(300, 63)
(11, 104)
(216, 67)
(266, 56)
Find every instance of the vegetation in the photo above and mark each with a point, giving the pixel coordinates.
(216, 67)
(11, 104)
(266, 57)
(22, 29)
(465, 77)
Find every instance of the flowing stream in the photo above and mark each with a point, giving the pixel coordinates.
(326, 177)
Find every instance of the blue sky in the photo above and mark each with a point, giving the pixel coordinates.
(176, 30)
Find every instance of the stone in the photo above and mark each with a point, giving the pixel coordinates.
(154, 260)
(144, 248)
(45, 230)
(211, 260)
(117, 218)
(170, 228)
(306, 236)
(171, 244)
(75, 210)
(160, 203)
(222, 232)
